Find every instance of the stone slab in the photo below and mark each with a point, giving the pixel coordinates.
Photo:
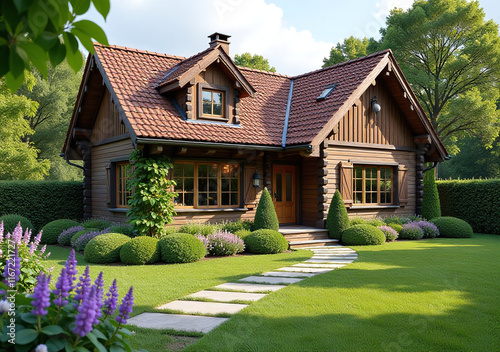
(305, 270)
(240, 286)
(329, 261)
(340, 250)
(287, 274)
(333, 257)
(316, 265)
(191, 323)
(197, 307)
(222, 296)
(270, 280)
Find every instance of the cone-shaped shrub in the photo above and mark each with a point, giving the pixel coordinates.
(337, 220)
(431, 208)
(265, 215)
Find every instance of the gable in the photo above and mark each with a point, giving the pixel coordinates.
(108, 123)
(361, 125)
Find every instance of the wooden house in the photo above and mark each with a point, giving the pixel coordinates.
(356, 127)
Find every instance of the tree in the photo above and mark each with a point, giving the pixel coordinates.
(56, 97)
(18, 159)
(451, 57)
(431, 207)
(351, 48)
(256, 61)
(337, 219)
(265, 215)
(38, 31)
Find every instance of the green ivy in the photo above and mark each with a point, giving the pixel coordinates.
(151, 203)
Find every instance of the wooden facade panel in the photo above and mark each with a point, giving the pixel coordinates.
(309, 194)
(361, 125)
(344, 155)
(107, 123)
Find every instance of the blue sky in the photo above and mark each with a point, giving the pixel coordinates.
(295, 35)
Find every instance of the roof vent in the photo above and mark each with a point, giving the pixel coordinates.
(220, 39)
(326, 92)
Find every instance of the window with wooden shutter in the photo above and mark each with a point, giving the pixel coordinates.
(346, 169)
(403, 185)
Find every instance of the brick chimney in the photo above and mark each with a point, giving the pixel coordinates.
(219, 38)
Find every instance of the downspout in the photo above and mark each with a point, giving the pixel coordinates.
(448, 157)
(287, 115)
(62, 155)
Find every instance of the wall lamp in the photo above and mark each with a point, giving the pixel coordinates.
(375, 106)
(256, 180)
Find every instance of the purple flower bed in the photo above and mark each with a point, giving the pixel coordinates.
(411, 231)
(222, 243)
(389, 232)
(65, 236)
(82, 241)
(430, 230)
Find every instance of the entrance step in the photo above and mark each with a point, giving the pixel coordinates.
(305, 236)
(312, 243)
(190, 323)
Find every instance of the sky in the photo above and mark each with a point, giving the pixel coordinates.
(294, 35)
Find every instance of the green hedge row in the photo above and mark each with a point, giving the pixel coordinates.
(475, 201)
(42, 201)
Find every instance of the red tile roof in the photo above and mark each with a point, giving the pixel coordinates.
(135, 74)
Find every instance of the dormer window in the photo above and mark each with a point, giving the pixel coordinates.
(212, 103)
(326, 92)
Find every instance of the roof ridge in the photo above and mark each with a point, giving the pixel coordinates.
(263, 71)
(125, 48)
(344, 63)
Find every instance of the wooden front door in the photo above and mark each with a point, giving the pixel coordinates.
(284, 197)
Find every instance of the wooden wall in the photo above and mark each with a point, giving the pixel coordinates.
(309, 194)
(107, 123)
(337, 154)
(361, 125)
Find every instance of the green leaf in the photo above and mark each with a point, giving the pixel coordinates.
(102, 6)
(92, 30)
(57, 54)
(37, 19)
(96, 343)
(99, 334)
(70, 42)
(28, 317)
(22, 5)
(74, 57)
(126, 331)
(14, 83)
(16, 63)
(46, 40)
(26, 336)
(52, 330)
(36, 55)
(115, 348)
(84, 39)
(55, 343)
(80, 6)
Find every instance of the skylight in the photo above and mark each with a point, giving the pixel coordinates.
(326, 92)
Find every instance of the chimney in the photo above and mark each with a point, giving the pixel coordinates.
(219, 38)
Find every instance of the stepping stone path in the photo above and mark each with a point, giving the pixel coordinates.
(198, 311)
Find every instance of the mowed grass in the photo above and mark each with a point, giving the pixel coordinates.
(428, 295)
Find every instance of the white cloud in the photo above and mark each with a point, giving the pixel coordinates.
(182, 27)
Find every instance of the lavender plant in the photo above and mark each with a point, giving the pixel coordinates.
(70, 317)
(84, 239)
(27, 258)
(430, 230)
(411, 231)
(65, 236)
(222, 243)
(389, 232)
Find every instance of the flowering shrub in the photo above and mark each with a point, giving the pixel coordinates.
(64, 238)
(389, 232)
(222, 243)
(70, 317)
(411, 231)
(81, 241)
(27, 264)
(430, 230)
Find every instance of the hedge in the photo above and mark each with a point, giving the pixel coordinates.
(475, 201)
(42, 201)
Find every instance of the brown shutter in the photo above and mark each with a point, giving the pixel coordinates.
(108, 185)
(346, 170)
(403, 185)
(250, 191)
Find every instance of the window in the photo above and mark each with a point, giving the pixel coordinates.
(372, 185)
(326, 92)
(212, 103)
(122, 176)
(205, 185)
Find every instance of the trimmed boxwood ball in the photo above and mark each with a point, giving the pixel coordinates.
(140, 250)
(10, 222)
(181, 248)
(363, 235)
(265, 215)
(242, 233)
(53, 229)
(453, 227)
(265, 241)
(105, 248)
(396, 227)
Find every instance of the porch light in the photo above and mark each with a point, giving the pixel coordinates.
(256, 180)
(375, 106)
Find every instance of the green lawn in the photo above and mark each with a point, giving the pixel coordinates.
(430, 295)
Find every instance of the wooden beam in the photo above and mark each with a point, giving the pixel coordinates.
(155, 149)
(81, 133)
(210, 152)
(181, 150)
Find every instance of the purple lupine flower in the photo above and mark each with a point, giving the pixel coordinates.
(8, 236)
(83, 286)
(126, 307)
(43, 249)
(41, 296)
(71, 268)
(17, 234)
(112, 300)
(38, 238)
(32, 248)
(63, 287)
(86, 313)
(99, 282)
(1, 231)
(27, 236)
